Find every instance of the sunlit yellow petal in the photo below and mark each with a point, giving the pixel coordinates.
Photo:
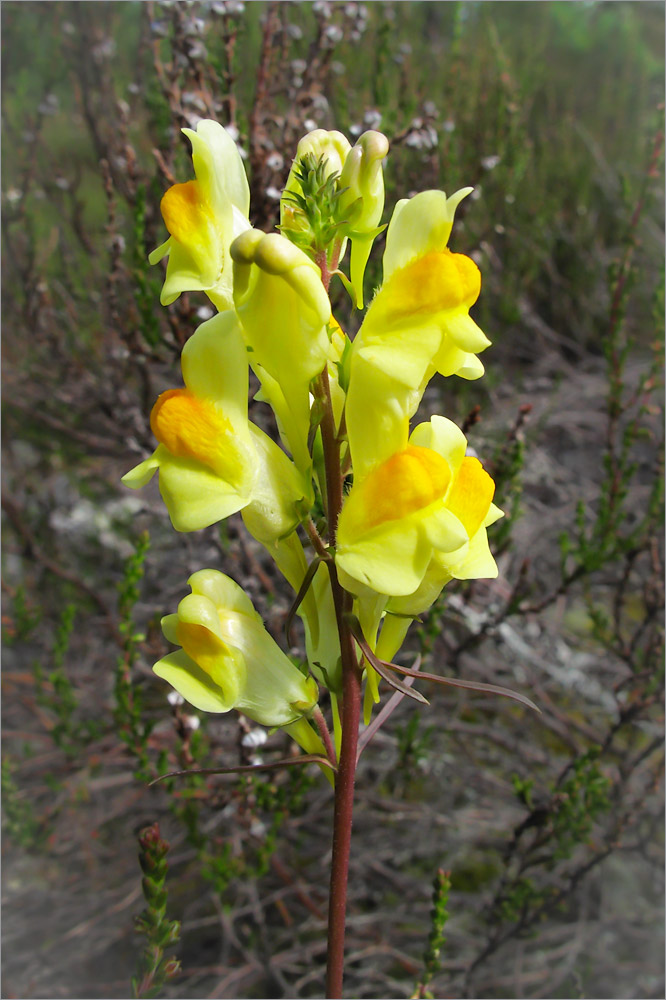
(471, 494)
(408, 481)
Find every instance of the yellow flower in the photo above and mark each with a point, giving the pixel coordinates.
(417, 324)
(212, 462)
(284, 312)
(426, 499)
(228, 660)
(203, 217)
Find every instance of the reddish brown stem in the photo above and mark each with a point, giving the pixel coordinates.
(351, 694)
(342, 820)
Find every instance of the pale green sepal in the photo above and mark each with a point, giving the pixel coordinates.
(156, 255)
(349, 288)
(141, 473)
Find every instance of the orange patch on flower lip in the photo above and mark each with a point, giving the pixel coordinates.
(409, 481)
(431, 283)
(191, 427)
(471, 495)
(184, 212)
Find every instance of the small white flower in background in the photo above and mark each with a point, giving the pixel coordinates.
(232, 130)
(320, 103)
(13, 195)
(333, 34)
(430, 109)
(509, 199)
(204, 313)
(255, 737)
(490, 162)
(275, 161)
(294, 32)
(298, 66)
(196, 26)
(310, 124)
(476, 193)
(104, 50)
(322, 7)
(175, 699)
(355, 129)
(197, 50)
(191, 722)
(422, 137)
(49, 106)
(449, 125)
(372, 118)
(273, 193)
(338, 68)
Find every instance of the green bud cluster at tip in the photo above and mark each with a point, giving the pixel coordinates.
(317, 215)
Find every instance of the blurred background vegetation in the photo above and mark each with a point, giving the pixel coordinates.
(550, 828)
